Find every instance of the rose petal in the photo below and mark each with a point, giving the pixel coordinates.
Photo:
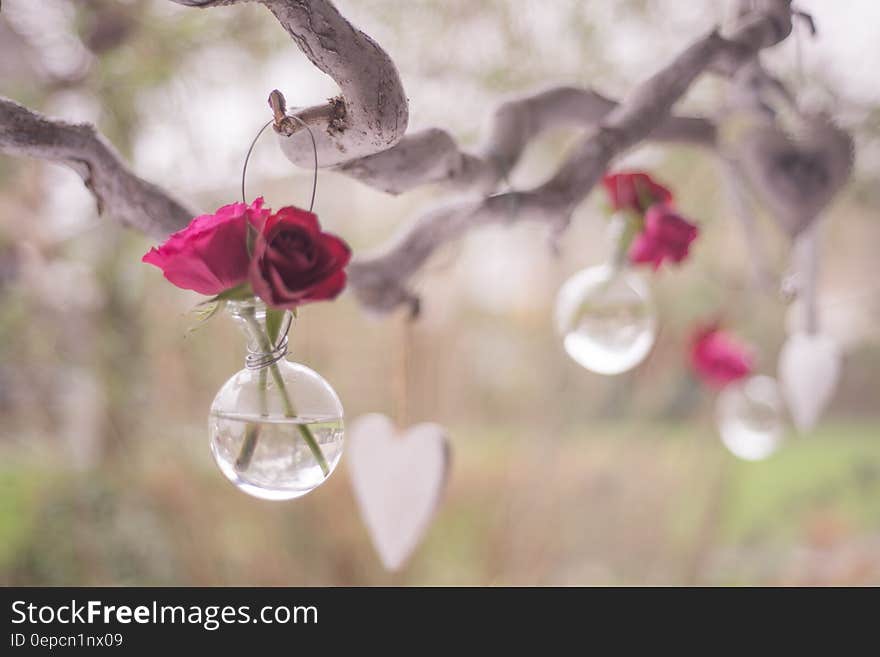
(634, 191)
(718, 358)
(329, 288)
(294, 262)
(292, 216)
(210, 255)
(666, 235)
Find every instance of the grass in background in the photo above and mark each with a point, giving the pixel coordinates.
(607, 504)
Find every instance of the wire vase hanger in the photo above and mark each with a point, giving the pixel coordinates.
(276, 102)
(257, 360)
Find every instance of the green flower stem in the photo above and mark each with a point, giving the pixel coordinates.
(251, 436)
(252, 431)
(631, 227)
(289, 409)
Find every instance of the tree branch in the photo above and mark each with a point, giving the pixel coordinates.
(433, 156)
(381, 282)
(361, 134)
(118, 192)
(375, 112)
(372, 112)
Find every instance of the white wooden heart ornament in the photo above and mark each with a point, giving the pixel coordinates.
(398, 480)
(797, 176)
(809, 366)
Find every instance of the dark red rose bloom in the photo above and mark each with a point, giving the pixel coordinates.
(718, 358)
(210, 255)
(294, 262)
(666, 236)
(635, 191)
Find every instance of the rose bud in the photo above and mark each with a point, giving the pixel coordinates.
(717, 358)
(635, 191)
(210, 255)
(666, 236)
(294, 262)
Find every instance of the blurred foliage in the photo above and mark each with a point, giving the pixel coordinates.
(522, 509)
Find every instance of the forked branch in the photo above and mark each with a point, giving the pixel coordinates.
(361, 133)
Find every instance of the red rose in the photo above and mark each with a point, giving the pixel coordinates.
(718, 358)
(294, 262)
(210, 255)
(634, 191)
(667, 235)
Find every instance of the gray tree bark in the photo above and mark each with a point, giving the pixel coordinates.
(361, 133)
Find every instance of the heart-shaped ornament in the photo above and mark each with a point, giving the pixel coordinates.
(796, 176)
(398, 480)
(809, 366)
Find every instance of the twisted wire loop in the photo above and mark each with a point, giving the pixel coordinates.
(257, 360)
(250, 150)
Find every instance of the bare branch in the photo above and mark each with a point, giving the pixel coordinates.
(118, 192)
(360, 128)
(370, 115)
(432, 155)
(375, 112)
(382, 282)
(361, 134)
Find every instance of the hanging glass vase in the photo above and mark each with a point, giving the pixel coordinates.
(605, 314)
(750, 417)
(276, 426)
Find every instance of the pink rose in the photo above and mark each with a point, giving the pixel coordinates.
(210, 255)
(294, 262)
(635, 191)
(718, 358)
(667, 235)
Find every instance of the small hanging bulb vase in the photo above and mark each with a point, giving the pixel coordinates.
(750, 417)
(276, 426)
(605, 314)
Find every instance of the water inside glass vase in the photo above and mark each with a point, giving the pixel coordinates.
(276, 426)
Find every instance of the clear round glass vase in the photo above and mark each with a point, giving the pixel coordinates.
(606, 318)
(750, 417)
(276, 426)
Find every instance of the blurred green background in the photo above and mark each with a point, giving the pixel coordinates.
(559, 476)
